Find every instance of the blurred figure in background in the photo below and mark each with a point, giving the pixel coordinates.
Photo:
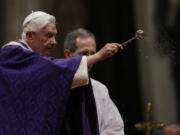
(173, 129)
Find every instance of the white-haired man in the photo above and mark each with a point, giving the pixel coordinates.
(81, 42)
(35, 88)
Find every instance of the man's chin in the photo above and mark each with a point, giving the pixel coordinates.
(47, 53)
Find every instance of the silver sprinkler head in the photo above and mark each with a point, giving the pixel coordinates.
(140, 34)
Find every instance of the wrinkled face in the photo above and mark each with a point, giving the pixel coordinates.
(43, 41)
(85, 46)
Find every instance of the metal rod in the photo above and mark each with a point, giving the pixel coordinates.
(138, 35)
(128, 41)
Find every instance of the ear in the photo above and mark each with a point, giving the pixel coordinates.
(29, 35)
(67, 53)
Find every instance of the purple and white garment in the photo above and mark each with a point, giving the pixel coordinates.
(35, 93)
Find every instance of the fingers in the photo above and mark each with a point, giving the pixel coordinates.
(115, 47)
(109, 50)
(115, 50)
(119, 46)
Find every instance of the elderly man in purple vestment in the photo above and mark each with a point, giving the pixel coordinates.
(81, 42)
(35, 95)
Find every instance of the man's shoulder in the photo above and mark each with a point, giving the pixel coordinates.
(94, 81)
(98, 86)
(18, 43)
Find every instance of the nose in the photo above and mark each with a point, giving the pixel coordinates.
(53, 41)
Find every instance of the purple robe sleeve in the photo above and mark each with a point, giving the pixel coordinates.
(34, 91)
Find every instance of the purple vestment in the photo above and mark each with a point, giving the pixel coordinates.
(35, 91)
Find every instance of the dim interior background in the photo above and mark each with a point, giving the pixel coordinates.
(145, 71)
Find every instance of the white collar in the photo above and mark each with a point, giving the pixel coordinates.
(19, 44)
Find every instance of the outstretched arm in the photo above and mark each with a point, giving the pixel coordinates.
(81, 76)
(107, 51)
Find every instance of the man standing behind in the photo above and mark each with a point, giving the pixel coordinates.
(81, 42)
